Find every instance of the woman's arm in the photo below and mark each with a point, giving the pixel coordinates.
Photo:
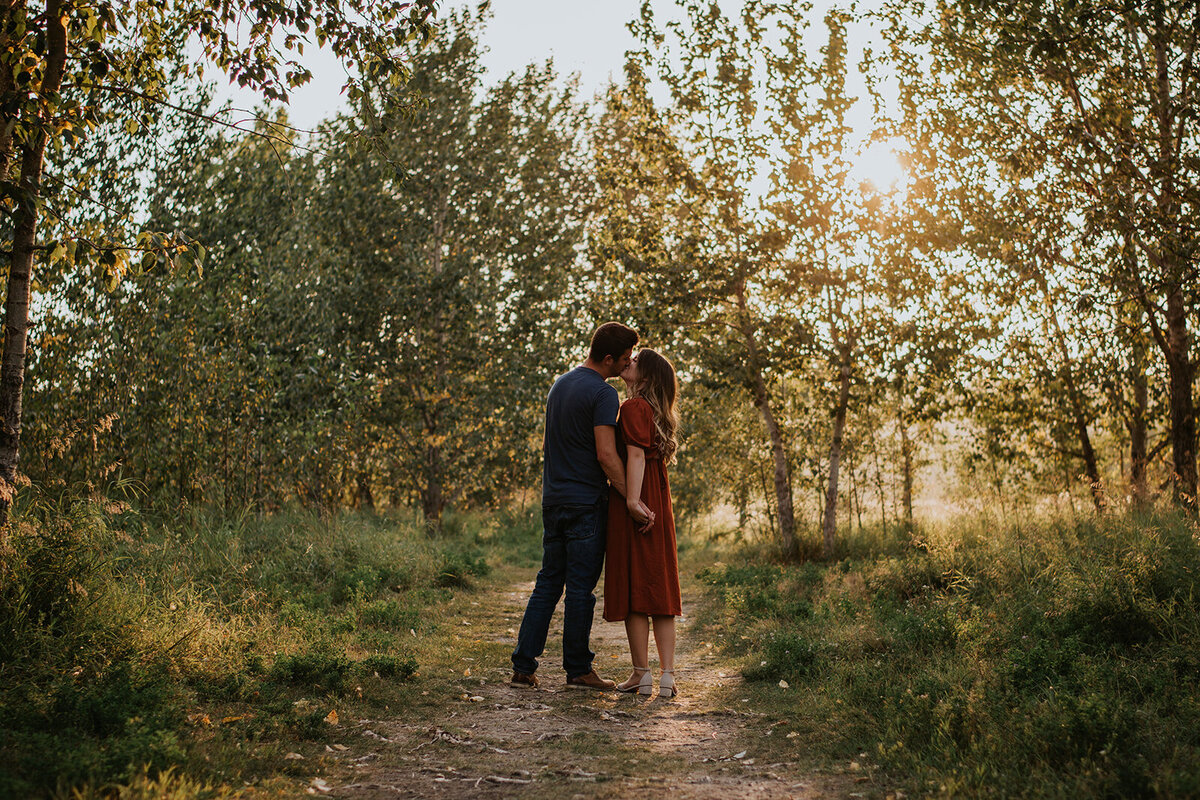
(635, 473)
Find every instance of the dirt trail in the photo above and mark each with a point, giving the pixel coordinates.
(487, 739)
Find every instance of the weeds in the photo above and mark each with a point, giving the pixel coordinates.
(1055, 660)
(115, 627)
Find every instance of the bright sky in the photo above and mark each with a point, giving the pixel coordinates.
(587, 38)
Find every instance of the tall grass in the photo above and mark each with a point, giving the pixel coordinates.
(117, 629)
(1053, 658)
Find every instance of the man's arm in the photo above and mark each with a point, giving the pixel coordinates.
(606, 452)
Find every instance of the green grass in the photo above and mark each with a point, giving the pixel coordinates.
(1057, 659)
(130, 646)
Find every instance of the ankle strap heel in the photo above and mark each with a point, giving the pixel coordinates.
(666, 683)
(644, 685)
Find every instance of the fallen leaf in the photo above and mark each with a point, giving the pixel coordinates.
(413, 632)
(340, 747)
(476, 699)
(783, 684)
(467, 672)
(199, 719)
(332, 717)
(293, 757)
(740, 755)
(227, 720)
(855, 766)
(793, 735)
(320, 785)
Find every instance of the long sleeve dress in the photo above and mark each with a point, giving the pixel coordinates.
(641, 572)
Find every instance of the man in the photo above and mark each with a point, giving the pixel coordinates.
(579, 453)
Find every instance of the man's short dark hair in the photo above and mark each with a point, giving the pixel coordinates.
(612, 339)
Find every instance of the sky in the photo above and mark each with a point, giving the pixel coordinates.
(585, 38)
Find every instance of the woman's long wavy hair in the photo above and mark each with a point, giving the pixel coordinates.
(659, 387)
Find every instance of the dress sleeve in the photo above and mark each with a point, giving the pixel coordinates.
(637, 423)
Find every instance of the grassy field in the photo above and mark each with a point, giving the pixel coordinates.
(1045, 659)
(188, 658)
(129, 645)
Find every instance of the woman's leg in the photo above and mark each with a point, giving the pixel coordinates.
(664, 640)
(637, 629)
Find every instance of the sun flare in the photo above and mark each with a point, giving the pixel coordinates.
(879, 167)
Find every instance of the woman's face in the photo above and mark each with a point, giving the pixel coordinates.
(630, 374)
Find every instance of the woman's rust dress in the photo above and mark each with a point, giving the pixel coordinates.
(641, 570)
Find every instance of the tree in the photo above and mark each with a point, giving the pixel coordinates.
(474, 205)
(67, 65)
(1100, 101)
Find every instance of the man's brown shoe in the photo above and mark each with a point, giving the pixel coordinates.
(591, 681)
(521, 679)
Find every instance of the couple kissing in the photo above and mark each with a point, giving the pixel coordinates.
(606, 505)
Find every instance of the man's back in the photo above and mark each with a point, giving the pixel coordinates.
(578, 402)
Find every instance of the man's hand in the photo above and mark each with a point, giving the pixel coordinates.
(642, 515)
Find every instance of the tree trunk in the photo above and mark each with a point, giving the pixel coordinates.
(1091, 469)
(16, 304)
(906, 453)
(1136, 424)
(762, 401)
(879, 486)
(365, 499)
(433, 500)
(1180, 373)
(783, 487)
(829, 523)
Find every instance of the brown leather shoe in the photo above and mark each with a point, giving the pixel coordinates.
(591, 681)
(523, 680)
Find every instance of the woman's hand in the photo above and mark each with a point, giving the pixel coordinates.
(642, 515)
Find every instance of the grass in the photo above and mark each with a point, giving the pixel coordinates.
(185, 658)
(143, 657)
(1054, 659)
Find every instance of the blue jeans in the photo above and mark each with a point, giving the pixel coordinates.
(572, 557)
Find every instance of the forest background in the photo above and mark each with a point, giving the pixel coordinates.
(209, 316)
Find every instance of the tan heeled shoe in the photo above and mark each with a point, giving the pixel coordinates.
(666, 683)
(644, 685)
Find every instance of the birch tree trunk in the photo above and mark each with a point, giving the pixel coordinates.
(906, 452)
(762, 401)
(829, 522)
(16, 304)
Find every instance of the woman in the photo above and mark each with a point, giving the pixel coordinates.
(641, 575)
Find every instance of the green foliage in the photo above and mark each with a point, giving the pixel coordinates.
(115, 625)
(331, 354)
(1050, 659)
(457, 568)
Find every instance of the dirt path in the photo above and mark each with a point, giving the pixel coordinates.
(469, 734)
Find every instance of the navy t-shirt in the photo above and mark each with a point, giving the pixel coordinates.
(571, 472)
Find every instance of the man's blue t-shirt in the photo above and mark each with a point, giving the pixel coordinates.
(571, 472)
